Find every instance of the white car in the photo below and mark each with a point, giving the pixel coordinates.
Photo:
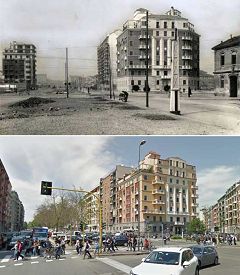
(168, 261)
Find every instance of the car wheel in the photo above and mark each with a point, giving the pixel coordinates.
(216, 261)
(197, 271)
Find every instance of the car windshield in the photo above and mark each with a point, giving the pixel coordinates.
(163, 257)
(40, 234)
(197, 250)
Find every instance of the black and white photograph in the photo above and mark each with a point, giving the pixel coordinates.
(124, 67)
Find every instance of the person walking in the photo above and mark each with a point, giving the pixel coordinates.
(96, 250)
(87, 248)
(189, 92)
(15, 249)
(77, 245)
(134, 243)
(19, 250)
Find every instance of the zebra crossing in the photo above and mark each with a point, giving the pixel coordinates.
(9, 259)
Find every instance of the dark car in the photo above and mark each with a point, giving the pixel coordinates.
(121, 240)
(206, 254)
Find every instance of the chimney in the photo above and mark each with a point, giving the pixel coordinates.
(230, 36)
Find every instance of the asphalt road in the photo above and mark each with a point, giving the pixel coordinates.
(72, 264)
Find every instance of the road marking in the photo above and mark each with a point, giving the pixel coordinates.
(34, 257)
(36, 262)
(6, 259)
(115, 264)
(19, 264)
(47, 261)
(68, 252)
(74, 257)
(2, 266)
(62, 259)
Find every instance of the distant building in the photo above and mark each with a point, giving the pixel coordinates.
(19, 65)
(17, 212)
(131, 51)
(5, 199)
(107, 61)
(42, 80)
(206, 81)
(227, 66)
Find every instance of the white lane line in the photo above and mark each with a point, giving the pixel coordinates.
(19, 264)
(6, 259)
(2, 266)
(122, 267)
(36, 262)
(47, 261)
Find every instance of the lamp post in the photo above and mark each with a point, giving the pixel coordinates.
(140, 144)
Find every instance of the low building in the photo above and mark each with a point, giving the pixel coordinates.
(227, 66)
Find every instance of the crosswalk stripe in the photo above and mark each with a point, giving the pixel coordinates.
(19, 264)
(122, 267)
(6, 259)
(47, 261)
(62, 259)
(34, 257)
(36, 262)
(2, 266)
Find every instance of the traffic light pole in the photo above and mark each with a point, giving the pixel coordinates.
(99, 208)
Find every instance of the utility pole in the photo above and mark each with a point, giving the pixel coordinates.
(146, 84)
(174, 96)
(66, 72)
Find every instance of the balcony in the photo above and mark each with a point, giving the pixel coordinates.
(159, 202)
(186, 67)
(136, 202)
(143, 57)
(194, 195)
(186, 47)
(155, 211)
(165, 77)
(143, 36)
(178, 223)
(158, 182)
(186, 37)
(188, 57)
(137, 66)
(194, 187)
(157, 191)
(143, 47)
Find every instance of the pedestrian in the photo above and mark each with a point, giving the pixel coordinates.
(129, 243)
(15, 249)
(87, 248)
(58, 250)
(63, 246)
(114, 243)
(96, 250)
(189, 92)
(234, 240)
(134, 243)
(77, 245)
(146, 244)
(19, 250)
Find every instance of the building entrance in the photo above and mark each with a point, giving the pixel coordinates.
(233, 85)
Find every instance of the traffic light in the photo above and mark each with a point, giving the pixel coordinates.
(46, 188)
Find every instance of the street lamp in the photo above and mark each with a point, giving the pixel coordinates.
(140, 144)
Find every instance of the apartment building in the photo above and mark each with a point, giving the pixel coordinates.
(107, 61)
(92, 203)
(5, 199)
(167, 197)
(224, 216)
(109, 194)
(227, 66)
(19, 65)
(17, 212)
(163, 28)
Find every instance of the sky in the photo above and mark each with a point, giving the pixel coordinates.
(81, 25)
(81, 161)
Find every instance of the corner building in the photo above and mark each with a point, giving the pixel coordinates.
(168, 196)
(131, 51)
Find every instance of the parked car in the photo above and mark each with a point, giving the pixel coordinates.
(206, 254)
(167, 261)
(121, 240)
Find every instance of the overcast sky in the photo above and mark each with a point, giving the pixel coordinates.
(81, 161)
(82, 24)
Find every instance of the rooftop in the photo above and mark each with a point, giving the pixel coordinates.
(233, 41)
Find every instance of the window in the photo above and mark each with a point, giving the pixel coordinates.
(139, 73)
(171, 172)
(157, 72)
(157, 82)
(177, 200)
(132, 72)
(170, 190)
(165, 25)
(145, 187)
(131, 62)
(165, 33)
(171, 209)
(222, 82)
(165, 72)
(183, 174)
(171, 219)
(157, 62)
(170, 180)
(184, 73)
(184, 82)
(154, 218)
(139, 82)
(145, 177)
(177, 181)
(145, 198)
(130, 43)
(173, 34)
(157, 33)
(222, 59)
(157, 25)
(173, 26)
(132, 82)
(178, 219)
(131, 52)
(157, 52)
(234, 58)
